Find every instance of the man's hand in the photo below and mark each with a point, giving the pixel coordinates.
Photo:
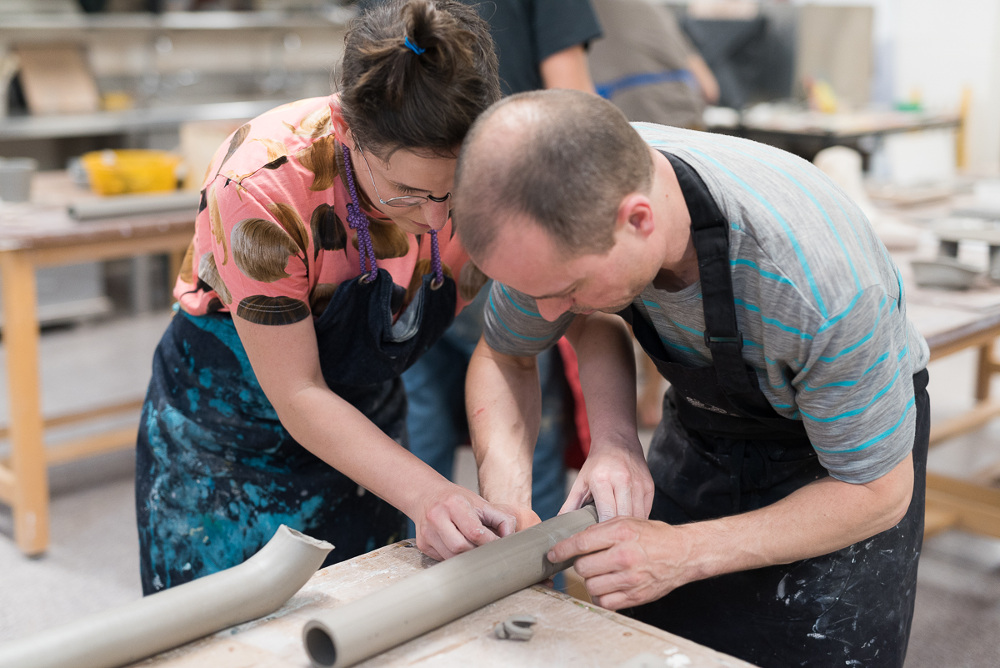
(627, 561)
(456, 520)
(618, 481)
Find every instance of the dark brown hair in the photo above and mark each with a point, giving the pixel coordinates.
(563, 158)
(393, 97)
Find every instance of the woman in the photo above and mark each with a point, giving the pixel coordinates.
(316, 276)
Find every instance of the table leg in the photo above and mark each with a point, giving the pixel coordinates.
(28, 460)
(986, 367)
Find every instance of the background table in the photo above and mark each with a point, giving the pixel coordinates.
(953, 321)
(569, 632)
(32, 235)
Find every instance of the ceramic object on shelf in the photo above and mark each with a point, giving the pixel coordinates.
(944, 272)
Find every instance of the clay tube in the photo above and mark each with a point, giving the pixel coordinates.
(440, 594)
(175, 616)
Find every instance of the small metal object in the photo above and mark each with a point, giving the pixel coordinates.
(517, 627)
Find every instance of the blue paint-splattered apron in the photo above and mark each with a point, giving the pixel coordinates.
(722, 450)
(217, 473)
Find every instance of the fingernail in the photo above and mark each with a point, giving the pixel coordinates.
(551, 556)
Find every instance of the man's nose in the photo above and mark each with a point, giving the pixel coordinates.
(553, 307)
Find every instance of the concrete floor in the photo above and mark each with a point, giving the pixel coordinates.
(92, 563)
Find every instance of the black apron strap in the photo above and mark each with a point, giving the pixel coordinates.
(711, 240)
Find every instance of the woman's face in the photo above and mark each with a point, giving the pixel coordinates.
(407, 175)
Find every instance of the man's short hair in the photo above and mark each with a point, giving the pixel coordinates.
(564, 158)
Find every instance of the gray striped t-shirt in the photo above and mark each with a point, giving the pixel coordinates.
(818, 300)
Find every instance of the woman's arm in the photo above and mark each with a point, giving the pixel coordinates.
(449, 518)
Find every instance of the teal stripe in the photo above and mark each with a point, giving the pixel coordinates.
(533, 314)
(677, 346)
(814, 288)
(806, 387)
(766, 274)
(493, 307)
(863, 244)
(867, 337)
(819, 207)
(885, 434)
(772, 321)
(878, 395)
(840, 316)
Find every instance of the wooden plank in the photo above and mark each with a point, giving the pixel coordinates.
(569, 632)
(113, 249)
(57, 79)
(108, 441)
(975, 508)
(937, 520)
(85, 415)
(976, 417)
(985, 368)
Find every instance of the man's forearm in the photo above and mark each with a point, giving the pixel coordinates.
(607, 377)
(820, 518)
(503, 401)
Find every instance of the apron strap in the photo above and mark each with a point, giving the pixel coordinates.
(711, 241)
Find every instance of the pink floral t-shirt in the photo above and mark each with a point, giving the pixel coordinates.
(271, 239)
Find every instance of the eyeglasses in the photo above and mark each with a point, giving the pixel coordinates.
(403, 201)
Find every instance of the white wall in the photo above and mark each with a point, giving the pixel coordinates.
(936, 50)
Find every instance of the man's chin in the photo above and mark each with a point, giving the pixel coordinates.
(605, 309)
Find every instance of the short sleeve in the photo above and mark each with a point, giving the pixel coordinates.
(513, 326)
(260, 255)
(855, 389)
(560, 24)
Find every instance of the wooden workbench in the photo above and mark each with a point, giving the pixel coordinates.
(32, 235)
(953, 321)
(568, 632)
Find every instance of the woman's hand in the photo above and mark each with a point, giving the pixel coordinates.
(454, 520)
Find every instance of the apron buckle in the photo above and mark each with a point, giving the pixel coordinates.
(738, 339)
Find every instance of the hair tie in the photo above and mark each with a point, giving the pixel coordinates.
(413, 47)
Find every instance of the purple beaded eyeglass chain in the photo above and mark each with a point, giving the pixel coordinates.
(359, 221)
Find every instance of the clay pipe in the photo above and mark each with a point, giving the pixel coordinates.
(175, 616)
(440, 594)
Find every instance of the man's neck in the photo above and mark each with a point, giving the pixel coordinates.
(680, 261)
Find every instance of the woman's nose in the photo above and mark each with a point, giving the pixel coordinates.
(436, 214)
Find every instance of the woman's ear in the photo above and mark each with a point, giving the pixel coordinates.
(340, 126)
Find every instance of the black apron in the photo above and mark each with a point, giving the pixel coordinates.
(720, 450)
(214, 461)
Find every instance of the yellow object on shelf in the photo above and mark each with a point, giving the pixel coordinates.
(114, 172)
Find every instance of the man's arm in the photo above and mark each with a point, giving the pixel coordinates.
(706, 79)
(502, 398)
(615, 474)
(567, 69)
(503, 402)
(449, 518)
(628, 561)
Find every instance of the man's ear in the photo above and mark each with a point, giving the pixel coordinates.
(635, 214)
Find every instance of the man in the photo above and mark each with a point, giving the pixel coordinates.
(540, 44)
(789, 464)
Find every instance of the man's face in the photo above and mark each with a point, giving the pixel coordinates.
(525, 258)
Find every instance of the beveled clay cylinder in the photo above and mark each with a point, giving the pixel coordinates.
(440, 594)
(167, 619)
